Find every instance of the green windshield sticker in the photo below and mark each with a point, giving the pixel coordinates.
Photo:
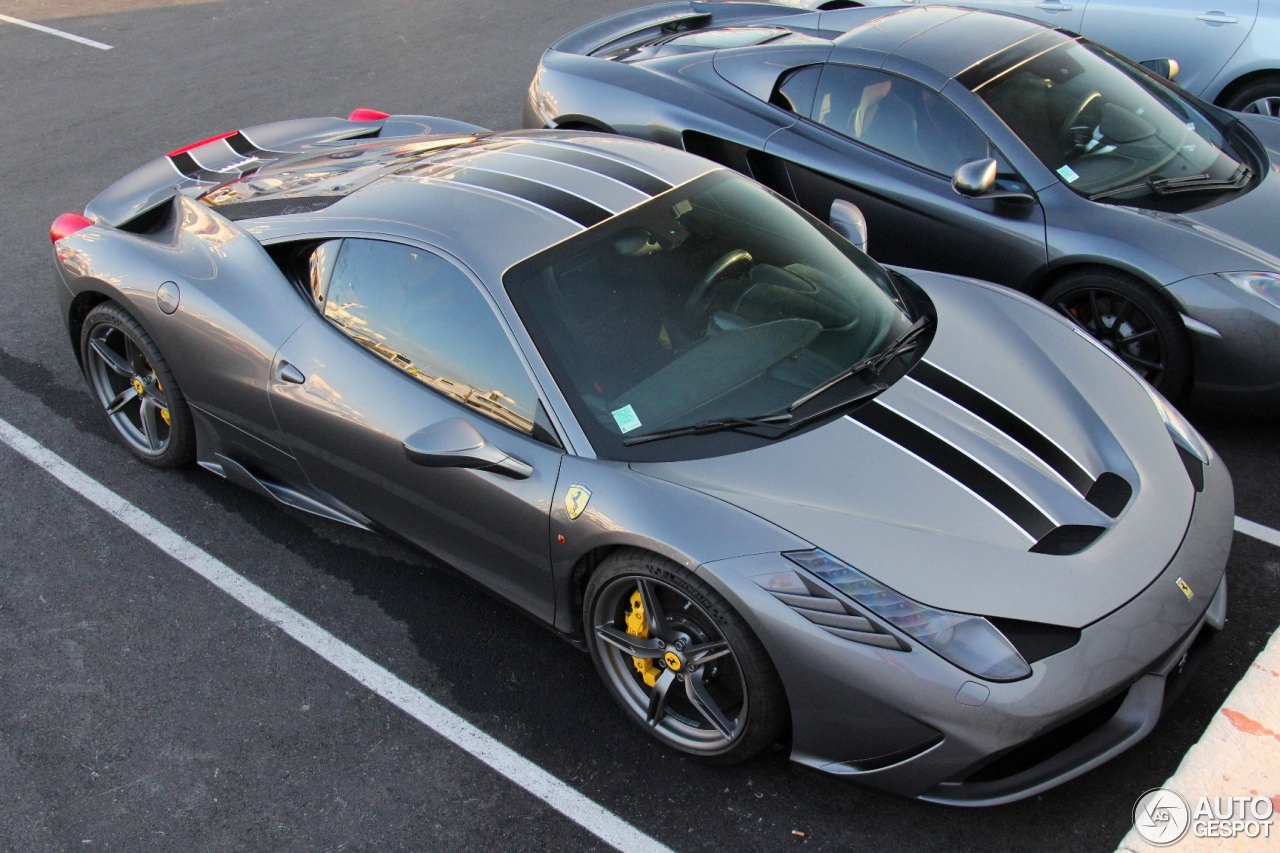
(626, 418)
(1068, 174)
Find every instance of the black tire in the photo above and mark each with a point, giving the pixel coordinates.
(1129, 318)
(127, 373)
(693, 622)
(1262, 96)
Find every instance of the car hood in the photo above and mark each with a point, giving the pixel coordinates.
(952, 529)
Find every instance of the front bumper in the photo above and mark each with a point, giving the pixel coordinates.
(1240, 369)
(913, 724)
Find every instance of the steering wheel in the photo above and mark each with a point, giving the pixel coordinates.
(1068, 136)
(718, 272)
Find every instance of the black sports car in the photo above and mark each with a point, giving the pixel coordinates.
(977, 144)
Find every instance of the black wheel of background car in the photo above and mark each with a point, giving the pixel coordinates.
(132, 382)
(680, 661)
(1261, 96)
(1132, 321)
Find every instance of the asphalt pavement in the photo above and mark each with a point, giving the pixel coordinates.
(141, 708)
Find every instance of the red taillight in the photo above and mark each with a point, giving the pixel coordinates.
(366, 114)
(184, 149)
(66, 225)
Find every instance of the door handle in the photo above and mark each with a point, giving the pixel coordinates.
(1054, 7)
(286, 372)
(1217, 18)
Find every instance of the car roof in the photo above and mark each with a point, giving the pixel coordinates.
(943, 39)
(490, 199)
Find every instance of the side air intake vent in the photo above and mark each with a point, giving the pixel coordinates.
(1068, 539)
(833, 616)
(1110, 493)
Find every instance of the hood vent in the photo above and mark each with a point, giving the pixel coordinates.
(1068, 539)
(1110, 493)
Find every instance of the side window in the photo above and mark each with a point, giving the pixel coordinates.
(897, 116)
(422, 314)
(796, 88)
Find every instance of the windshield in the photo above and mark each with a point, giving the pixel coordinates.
(1104, 127)
(714, 300)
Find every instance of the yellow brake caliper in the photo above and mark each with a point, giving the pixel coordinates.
(638, 627)
(164, 413)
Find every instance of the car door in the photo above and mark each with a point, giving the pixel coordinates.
(1201, 35)
(890, 146)
(1056, 13)
(403, 340)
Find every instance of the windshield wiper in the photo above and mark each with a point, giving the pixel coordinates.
(1202, 181)
(714, 425)
(875, 363)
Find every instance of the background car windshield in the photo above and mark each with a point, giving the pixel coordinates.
(717, 299)
(1099, 124)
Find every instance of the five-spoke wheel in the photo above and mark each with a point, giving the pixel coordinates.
(1130, 320)
(134, 386)
(679, 660)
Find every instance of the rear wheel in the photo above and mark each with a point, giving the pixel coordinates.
(133, 384)
(1130, 319)
(681, 663)
(1262, 97)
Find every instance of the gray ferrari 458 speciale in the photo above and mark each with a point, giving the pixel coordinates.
(979, 144)
(927, 529)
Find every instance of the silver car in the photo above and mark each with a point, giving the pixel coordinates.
(1228, 51)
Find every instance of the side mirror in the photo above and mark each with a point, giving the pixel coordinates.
(1166, 68)
(977, 179)
(457, 444)
(848, 222)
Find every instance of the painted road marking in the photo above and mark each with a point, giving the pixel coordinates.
(583, 811)
(59, 33)
(1257, 531)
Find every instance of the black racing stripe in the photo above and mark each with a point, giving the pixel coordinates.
(241, 145)
(570, 206)
(957, 464)
(1004, 420)
(187, 165)
(621, 172)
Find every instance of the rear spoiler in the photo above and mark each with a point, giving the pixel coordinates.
(197, 168)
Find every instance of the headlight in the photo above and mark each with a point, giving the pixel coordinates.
(1180, 429)
(970, 642)
(1263, 284)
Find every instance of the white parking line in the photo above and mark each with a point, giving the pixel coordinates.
(1257, 531)
(51, 31)
(588, 814)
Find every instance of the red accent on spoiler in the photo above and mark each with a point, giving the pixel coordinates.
(366, 114)
(66, 225)
(184, 149)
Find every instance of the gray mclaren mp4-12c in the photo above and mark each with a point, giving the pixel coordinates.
(927, 531)
(978, 144)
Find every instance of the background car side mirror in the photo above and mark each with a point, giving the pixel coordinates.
(454, 443)
(848, 221)
(1166, 68)
(977, 179)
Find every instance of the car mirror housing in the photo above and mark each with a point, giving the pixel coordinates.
(977, 179)
(1166, 68)
(455, 443)
(848, 222)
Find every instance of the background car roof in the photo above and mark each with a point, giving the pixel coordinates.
(489, 199)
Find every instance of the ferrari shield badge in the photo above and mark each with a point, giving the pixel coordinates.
(1182, 585)
(575, 500)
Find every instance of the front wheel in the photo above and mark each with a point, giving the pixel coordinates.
(1130, 319)
(682, 664)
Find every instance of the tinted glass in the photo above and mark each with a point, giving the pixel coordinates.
(796, 89)
(1101, 125)
(422, 314)
(716, 299)
(898, 117)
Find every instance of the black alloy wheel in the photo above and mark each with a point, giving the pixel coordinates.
(135, 388)
(1132, 321)
(680, 661)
